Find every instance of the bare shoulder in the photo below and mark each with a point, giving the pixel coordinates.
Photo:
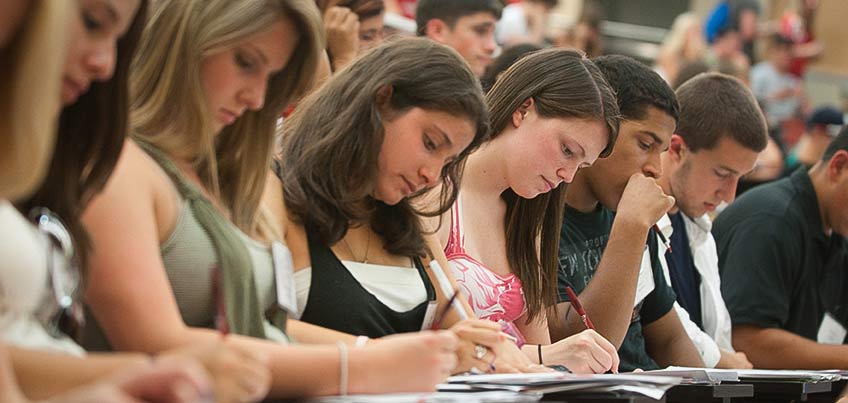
(294, 234)
(138, 187)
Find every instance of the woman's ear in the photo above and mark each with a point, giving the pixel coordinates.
(384, 94)
(521, 112)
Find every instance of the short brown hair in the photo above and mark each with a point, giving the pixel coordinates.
(715, 105)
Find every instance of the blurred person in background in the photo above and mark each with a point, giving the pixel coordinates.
(684, 44)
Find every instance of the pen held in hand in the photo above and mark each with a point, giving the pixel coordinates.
(575, 303)
(662, 237)
(221, 322)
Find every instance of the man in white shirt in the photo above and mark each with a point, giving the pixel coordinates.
(718, 136)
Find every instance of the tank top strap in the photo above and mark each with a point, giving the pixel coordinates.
(456, 240)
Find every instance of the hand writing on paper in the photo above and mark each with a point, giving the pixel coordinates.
(414, 362)
(586, 352)
(239, 375)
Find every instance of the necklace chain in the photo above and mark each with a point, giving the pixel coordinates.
(353, 255)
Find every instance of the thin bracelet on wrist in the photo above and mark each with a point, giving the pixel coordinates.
(342, 368)
(539, 349)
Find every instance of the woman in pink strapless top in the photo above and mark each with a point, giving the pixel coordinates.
(551, 113)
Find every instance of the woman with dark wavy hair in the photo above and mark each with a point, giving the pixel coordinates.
(355, 157)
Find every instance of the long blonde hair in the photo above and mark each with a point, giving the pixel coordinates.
(31, 71)
(168, 108)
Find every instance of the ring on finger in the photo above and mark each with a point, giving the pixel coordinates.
(479, 352)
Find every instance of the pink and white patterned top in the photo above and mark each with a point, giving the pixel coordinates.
(493, 296)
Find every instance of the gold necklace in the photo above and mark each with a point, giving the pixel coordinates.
(353, 255)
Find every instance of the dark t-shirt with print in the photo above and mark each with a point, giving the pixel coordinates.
(582, 241)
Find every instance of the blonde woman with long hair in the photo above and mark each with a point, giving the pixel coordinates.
(182, 250)
(32, 34)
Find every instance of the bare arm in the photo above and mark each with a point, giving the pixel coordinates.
(308, 333)
(608, 298)
(65, 371)
(146, 318)
(777, 348)
(668, 344)
(618, 270)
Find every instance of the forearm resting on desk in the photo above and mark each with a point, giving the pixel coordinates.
(778, 349)
(65, 371)
(668, 343)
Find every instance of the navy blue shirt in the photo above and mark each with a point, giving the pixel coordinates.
(685, 279)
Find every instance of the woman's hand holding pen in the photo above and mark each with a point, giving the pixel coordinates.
(498, 354)
(478, 341)
(586, 352)
(238, 374)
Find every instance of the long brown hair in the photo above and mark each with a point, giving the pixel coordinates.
(564, 84)
(89, 141)
(331, 143)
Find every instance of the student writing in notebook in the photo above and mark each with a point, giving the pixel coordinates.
(502, 233)
(610, 209)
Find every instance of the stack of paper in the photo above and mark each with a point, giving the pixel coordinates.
(437, 397)
(690, 375)
(560, 382)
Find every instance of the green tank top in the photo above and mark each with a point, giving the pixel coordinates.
(202, 240)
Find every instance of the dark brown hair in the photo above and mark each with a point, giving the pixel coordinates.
(564, 84)
(450, 11)
(715, 105)
(331, 143)
(88, 143)
(364, 9)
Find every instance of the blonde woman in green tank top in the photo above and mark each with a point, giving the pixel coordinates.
(182, 207)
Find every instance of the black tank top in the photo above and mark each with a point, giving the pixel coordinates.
(338, 301)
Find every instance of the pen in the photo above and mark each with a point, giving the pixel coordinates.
(453, 301)
(437, 324)
(575, 303)
(447, 289)
(662, 237)
(221, 322)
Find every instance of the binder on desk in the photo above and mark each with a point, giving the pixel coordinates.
(789, 375)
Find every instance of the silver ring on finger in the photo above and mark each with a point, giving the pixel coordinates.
(479, 352)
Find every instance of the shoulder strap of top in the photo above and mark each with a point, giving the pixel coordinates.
(243, 310)
(455, 242)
